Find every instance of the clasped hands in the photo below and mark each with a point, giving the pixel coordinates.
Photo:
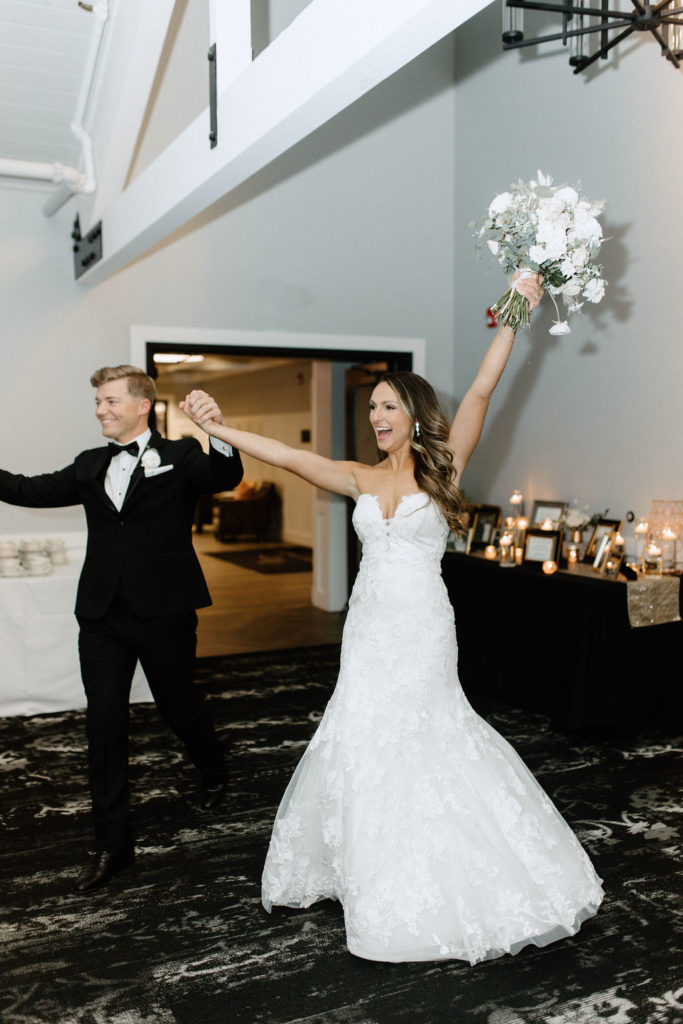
(202, 409)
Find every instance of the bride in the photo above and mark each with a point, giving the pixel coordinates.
(407, 807)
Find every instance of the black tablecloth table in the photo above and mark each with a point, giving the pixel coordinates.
(563, 645)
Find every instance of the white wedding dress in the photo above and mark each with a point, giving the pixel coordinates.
(407, 807)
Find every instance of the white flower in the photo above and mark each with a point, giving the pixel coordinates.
(594, 290)
(568, 195)
(567, 267)
(560, 327)
(537, 254)
(500, 203)
(579, 257)
(571, 289)
(493, 246)
(150, 459)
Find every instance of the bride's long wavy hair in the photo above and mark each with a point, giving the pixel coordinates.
(434, 470)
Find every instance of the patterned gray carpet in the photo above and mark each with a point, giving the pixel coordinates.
(181, 938)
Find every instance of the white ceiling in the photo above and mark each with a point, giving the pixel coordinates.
(43, 49)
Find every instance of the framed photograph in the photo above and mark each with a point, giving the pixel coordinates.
(542, 546)
(484, 521)
(552, 510)
(603, 528)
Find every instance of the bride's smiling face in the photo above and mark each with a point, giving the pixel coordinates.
(392, 425)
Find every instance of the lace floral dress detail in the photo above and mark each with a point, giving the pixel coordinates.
(407, 807)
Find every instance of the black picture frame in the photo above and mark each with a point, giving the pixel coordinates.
(484, 520)
(542, 510)
(603, 528)
(542, 546)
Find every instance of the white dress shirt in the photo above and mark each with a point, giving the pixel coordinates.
(123, 463)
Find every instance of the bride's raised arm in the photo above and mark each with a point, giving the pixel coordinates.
(338, 477)
(469, 419)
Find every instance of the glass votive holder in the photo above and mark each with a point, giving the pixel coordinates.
(519, 556)
(667, 541)
(507, 550)
(572, 555)
(491, 552)
(549, 567)
(651, 559)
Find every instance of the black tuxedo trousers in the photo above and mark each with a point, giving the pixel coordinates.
(140, 585)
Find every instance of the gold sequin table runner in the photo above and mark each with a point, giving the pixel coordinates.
(653, 600)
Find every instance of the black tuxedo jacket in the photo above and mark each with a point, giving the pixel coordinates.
(145, 550)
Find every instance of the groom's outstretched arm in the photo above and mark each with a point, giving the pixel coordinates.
(46, 490)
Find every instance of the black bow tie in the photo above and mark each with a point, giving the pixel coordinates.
(116, 449)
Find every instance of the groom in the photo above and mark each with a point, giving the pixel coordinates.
(140, 585)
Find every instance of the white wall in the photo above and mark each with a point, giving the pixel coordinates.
(349, 232)
(595, 414)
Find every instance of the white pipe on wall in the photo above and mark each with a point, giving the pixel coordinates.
(69, 179)
(59, 173)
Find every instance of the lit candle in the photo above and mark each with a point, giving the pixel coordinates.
(507, 550)
(490, 552)
(549, 567)
(547, 524)
(519, 556)
(522, 523)
(572, 556)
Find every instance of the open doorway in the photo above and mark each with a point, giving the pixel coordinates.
(316, 365)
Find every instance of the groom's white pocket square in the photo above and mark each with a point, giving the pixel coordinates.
(158, 470)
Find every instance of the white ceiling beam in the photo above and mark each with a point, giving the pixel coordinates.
(134, 47)
(333, 52)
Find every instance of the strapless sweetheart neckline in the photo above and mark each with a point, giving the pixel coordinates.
(404, 497)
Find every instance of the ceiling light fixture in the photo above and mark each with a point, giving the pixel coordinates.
(581, 23)
(176, 357)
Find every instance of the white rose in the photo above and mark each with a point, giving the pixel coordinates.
(493, 246)
(560, 327)
(150, 459)
(571, 289)
(594, 290)
(500, 203)
(567, 268)
(579, 257)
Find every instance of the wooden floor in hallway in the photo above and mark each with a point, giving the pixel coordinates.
(253, 611)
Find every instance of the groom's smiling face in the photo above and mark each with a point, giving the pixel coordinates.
(122, 416)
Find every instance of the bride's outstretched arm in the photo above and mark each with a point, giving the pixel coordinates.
(469, 419)
(338, 477)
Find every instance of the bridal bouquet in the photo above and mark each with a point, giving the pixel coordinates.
(541, 228)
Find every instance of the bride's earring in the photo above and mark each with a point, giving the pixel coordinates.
(417, 430)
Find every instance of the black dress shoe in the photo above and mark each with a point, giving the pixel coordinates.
(102, 867)
(211, 796)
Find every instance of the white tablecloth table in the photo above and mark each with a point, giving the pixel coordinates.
(39, 670)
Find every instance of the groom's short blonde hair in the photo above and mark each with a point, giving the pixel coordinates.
(139, 383)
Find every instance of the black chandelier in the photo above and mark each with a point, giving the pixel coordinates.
(581, 24)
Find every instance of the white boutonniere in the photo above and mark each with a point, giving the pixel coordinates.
(151, 463)
(150, 459)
